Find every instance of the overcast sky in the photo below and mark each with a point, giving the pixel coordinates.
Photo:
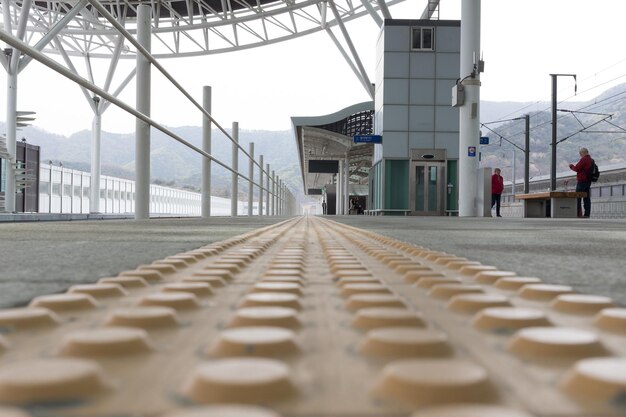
(522, 41)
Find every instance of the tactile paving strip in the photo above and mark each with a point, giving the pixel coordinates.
(314, 318)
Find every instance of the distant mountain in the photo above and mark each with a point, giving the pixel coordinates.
(173, 163)
(176, 165)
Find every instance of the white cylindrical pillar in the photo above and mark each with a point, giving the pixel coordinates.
(267, 186)
(261, 192)
(235, 166)
(206, 147)
(469, 116)
(338, 194)
(273, 193)
(96, 168)
(251, 176)
(346, 187)
(142, 129)
(9, 195)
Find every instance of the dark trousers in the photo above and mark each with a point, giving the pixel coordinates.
(584, 187)
(495, 200)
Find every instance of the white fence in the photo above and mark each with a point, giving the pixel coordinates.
(63, 190)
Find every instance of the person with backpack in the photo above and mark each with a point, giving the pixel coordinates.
(583, 170)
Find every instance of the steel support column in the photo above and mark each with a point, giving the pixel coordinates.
(346, 187)
(267, 187)
(251, 177)
(261, 192)
(235, 166)
(206, 147)
(96, 160)
(9, 195)
(142, 134)
(273, 193)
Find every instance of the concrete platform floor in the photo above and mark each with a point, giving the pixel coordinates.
(47, 257)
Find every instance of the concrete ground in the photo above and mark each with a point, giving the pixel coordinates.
(46, 257)
(588, 254)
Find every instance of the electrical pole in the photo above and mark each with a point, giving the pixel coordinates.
(553, 166)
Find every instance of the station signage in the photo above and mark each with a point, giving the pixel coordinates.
(367, 139)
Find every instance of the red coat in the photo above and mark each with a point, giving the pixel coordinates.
(582, 168)
(497, 184)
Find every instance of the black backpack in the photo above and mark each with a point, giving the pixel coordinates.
(594, 172)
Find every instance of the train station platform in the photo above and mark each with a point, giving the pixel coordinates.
(314, 316)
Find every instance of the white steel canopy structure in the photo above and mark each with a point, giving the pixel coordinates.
(179, 27)
(147, 31)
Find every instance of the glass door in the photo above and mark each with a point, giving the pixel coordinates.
(428, 187)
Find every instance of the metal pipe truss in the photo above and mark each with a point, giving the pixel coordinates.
(182, 28)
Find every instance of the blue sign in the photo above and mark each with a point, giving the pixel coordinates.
(484, 140)
(367, 139)
(471, 151)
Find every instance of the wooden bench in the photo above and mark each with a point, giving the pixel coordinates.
(556, 204)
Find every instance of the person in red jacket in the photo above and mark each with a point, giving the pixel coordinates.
(497, 187)
(583, 182)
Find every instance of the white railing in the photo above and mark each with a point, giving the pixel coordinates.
(63, 190)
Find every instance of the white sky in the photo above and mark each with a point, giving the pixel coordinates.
(522, 41)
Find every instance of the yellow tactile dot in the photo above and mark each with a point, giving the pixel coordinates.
(434, 381)
(405, 342)
(472, 303)
(475, 269)
(288, 287)
(611, 319)
(365, 288)
(50, 380)
(404, 268)
(187, 259)
(287, 265)
(427, 282)
(359, 301)
(509, 318)
(106, 341)
(357, 280)
(198, 289)
(490, 277)
(160, 267)
(240, 263)
(239, 380)
(12, 412)
(64, 302)
(255, 341)
(470, 410)
(175, 300)
(461, 264)
(286, 278)
(399, 260)
(440, 258)
(232, 268)
(266, 316)
(283, 273)
(150, 275)
(347, 267)
(223, 411)
(347, 273)
(271, 299)
(555, 342)
(371, 318)
(211, 281)
(143, 317)
(596, 379)
(515, 283)
(126, 282)
(447, 291)
(27, 317)
(224, 274)
(176, 263)
(414, 276)
(99, 290)
(543, 292)
(581, 303)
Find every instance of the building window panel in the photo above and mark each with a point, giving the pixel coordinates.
(423, 39)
